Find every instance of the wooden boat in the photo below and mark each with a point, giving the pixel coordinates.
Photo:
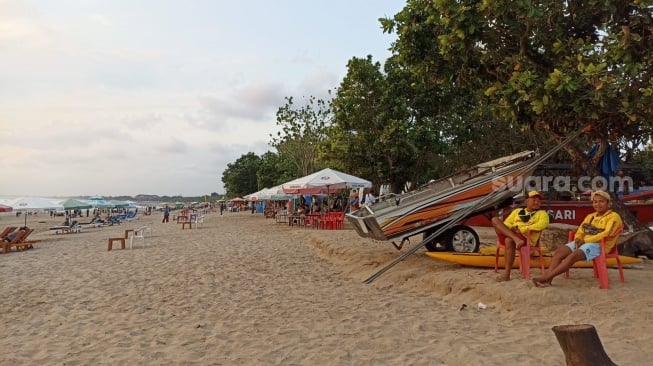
(425, 209)
(438, 210)
(487, 260)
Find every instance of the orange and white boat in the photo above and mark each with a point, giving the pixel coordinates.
(438, 210)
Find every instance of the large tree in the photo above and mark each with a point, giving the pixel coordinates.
(241, 177)
(301, 131)
(542, 65)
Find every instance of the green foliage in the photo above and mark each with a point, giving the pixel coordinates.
(301, 131)
(241, 177)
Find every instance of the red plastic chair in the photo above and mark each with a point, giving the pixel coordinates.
(600, 263)
(339, 220)
(525, 253)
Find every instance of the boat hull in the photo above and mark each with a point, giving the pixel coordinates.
(441, 201)
(487, 261)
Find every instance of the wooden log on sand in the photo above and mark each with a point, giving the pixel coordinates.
(581, 345)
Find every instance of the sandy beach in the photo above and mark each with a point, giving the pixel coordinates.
(244, 290)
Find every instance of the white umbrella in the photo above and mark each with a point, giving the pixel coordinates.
(34, 203)
(324, 181)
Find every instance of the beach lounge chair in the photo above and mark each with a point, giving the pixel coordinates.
(74, 227)
(7, 231)
(6, 245)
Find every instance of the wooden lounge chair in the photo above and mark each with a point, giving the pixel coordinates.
(14, 242)
(7, 231)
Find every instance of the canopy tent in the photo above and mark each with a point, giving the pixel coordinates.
(324, 181)
(276, 194)
(256, 196)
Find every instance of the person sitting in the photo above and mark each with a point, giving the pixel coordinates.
(11, 236)
(600, 224)
(511, 231)
(353, 203)
(301, 209)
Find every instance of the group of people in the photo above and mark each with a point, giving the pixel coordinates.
(602, 223)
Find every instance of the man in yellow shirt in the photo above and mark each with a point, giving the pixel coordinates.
(598, 225)
(511, 231)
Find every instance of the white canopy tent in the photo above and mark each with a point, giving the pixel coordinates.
(325, 181)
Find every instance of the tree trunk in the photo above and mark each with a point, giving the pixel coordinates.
(581, 345)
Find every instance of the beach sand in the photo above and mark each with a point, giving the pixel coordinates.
(244, 290)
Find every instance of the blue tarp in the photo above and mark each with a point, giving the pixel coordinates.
(609, 161)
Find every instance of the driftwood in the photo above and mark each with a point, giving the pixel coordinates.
(581, 345)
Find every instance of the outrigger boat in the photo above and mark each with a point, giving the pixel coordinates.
(422, 211)
(439, 209)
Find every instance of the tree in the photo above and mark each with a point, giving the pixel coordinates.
(369, 134)
(240, 177)
(302, 129)
(550, 66)
(275, 169)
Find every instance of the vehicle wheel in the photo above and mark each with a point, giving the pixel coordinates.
(436, 244)
(462, 239)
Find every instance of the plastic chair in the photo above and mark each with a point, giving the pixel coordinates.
(525, 253)
(600, 263)
(327, 221)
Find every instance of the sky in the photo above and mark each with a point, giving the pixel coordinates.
(128, 97)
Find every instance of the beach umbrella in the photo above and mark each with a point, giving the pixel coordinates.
(119, 204)
(99, 202)
(324, 181)
(34, 203)
(4, 208)
(73, 204)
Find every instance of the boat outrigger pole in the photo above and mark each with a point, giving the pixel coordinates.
(471, 209)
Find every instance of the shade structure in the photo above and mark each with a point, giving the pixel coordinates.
(256, 196)
(99, 202)
(275, 193)
(325, 181)
(4, 208)
(73, 204)
(119, 204)
(35, 204)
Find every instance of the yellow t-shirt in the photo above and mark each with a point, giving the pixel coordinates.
(535, 220)
(609, 222)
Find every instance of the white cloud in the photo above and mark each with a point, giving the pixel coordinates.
(121, 97)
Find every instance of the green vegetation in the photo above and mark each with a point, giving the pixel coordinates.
(469, 81)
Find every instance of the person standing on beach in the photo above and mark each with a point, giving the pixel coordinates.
(511, 231)
(166, 214)
(602, 223)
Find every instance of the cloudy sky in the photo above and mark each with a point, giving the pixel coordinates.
(127, 97)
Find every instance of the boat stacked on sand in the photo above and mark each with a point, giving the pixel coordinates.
(425, 210)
